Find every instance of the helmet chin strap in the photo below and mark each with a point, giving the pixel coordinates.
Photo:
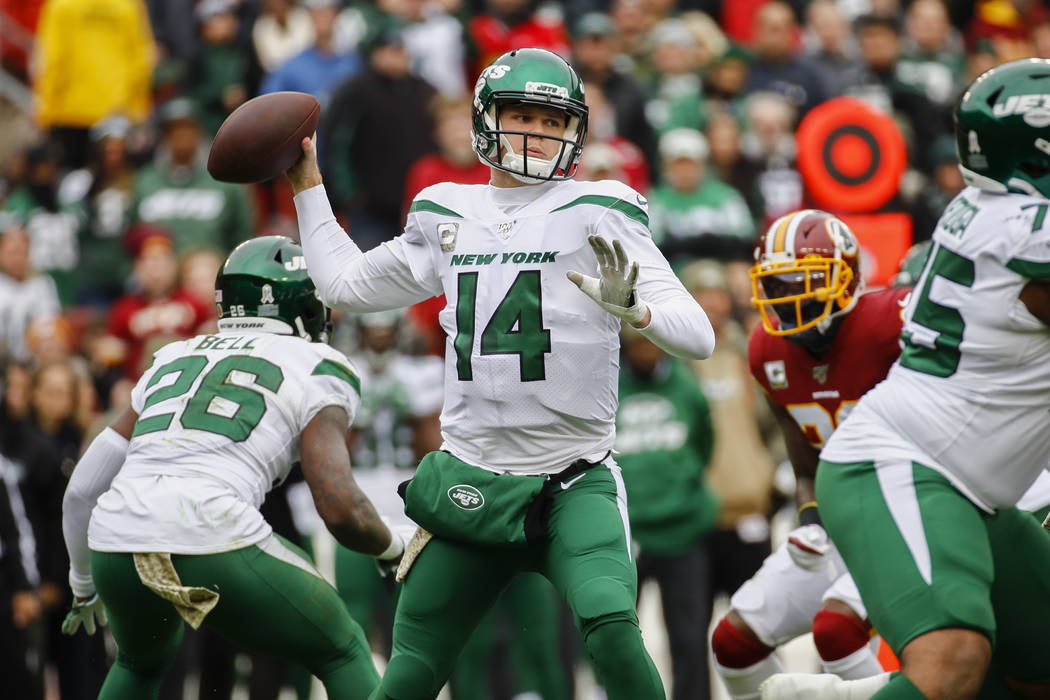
(982, 182)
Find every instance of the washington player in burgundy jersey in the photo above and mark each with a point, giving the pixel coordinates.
(816, 392)
(823, 342)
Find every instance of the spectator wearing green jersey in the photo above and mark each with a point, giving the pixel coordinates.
(664, 440)
(175, 190)
(693, 214)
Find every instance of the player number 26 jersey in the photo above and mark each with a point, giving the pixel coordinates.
(220, 417)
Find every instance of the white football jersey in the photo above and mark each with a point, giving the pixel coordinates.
(220, 420)
(970, 392)
(405, 389)
(532, 363)
(1037, 496)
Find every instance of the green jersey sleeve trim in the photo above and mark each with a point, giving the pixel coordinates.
(427, 205)
(1030, 268)
(334, 369)
(626, 208)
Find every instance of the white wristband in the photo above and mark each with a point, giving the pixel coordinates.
(396, 548)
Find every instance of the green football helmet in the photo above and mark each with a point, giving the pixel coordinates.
(1002, 128)
(264, 286)
(528, 76)
(911, 264)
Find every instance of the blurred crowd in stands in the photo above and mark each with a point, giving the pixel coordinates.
(111, 229)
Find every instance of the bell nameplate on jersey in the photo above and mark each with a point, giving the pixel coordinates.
(776, 373)
(820, 373)
(447, 236)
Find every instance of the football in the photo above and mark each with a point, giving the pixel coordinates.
(261, 138)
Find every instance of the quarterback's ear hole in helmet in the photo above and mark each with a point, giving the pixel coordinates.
(994, 97)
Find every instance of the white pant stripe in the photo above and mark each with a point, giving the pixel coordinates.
(276, 549)
(621, 501)
(898, 490)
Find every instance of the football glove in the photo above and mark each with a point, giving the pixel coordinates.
(807, 546)
(388, 561)
(616, 289)
(85, 613)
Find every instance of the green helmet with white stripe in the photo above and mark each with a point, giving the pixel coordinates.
(536, 77)
(1002, 128)
(264, 286)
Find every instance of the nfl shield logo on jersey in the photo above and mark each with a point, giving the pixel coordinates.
(820, 373)
(447, 236)
(466, 497)
(776, 373)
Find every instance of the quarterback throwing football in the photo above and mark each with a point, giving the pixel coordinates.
(538, 272)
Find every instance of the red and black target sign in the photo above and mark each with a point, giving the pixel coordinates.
(851, 155)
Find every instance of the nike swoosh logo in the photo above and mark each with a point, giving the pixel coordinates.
(566, 484)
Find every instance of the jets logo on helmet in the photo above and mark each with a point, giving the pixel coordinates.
(1002, 129)
(528, 76)
(263, 285)
(806, 272)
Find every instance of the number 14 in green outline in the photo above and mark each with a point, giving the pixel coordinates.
(516, 326)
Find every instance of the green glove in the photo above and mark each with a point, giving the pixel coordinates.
(84, 613)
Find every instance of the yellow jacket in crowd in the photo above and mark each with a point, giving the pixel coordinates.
(93, 58)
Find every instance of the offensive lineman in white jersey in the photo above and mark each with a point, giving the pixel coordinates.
(917, 487)
(161, 514)
(525, 480)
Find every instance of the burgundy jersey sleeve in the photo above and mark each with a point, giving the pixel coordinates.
(756, 348)
(890, 319)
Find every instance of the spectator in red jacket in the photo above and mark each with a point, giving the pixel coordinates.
(512, 24)
(159, 310)
(455, 160)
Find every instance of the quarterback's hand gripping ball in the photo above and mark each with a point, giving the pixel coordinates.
(263, 137)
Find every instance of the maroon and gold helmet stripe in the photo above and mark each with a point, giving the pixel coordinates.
(781, 235)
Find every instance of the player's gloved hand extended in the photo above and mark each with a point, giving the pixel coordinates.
(388, 561)
(807, 546)
(615, 291)
(86, 613)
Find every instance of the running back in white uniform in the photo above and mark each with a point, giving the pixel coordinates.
(220, 420)
(970, 393)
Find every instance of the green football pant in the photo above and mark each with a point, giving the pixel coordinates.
(271, 600)
(531, 606)
(361, 589)
(925, 558)
(586, 556)
(529, 603)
